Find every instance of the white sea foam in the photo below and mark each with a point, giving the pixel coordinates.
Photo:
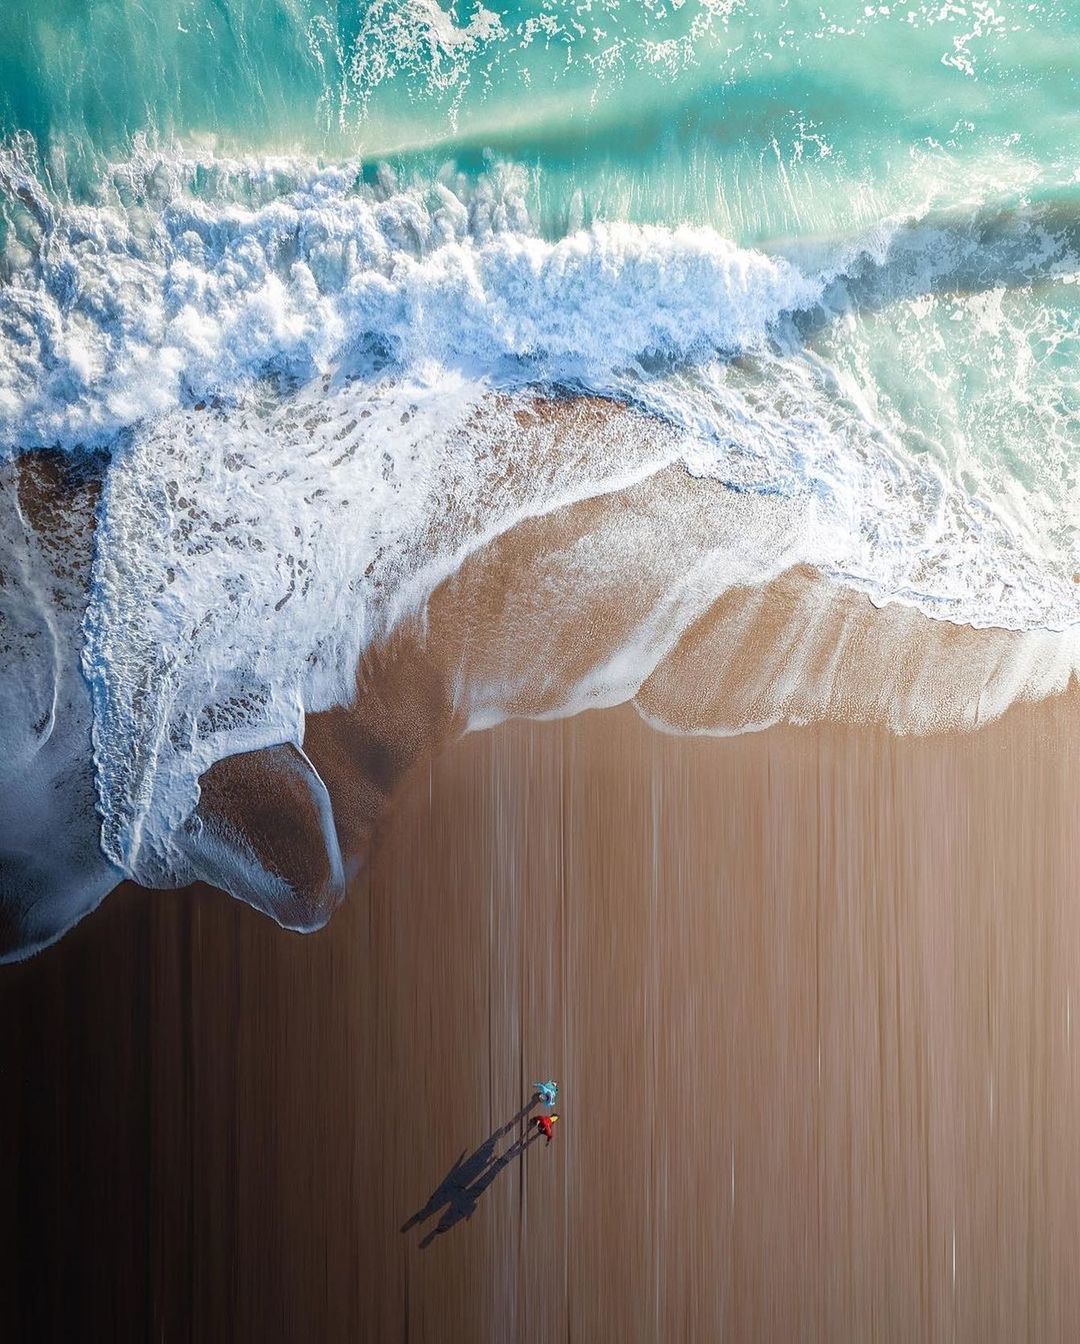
(127, 315)
(52, 870)
(317, 398)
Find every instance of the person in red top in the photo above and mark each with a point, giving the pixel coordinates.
(545, 1124)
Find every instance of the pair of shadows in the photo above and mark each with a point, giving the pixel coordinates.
(460, 1189)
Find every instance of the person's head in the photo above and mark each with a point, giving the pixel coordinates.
(553, 1117)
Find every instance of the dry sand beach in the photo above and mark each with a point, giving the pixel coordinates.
(809, 993)
(808, 990)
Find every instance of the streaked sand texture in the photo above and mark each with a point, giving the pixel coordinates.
(809, 994)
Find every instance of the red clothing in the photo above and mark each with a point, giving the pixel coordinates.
(544, 1124)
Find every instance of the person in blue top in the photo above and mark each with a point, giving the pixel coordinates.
(546, 1092)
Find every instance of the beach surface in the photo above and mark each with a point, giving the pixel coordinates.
(539, 546)
(808, 994)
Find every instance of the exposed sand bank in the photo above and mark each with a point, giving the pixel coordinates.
(809, 994)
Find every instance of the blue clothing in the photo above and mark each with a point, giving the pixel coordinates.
(547, 1092)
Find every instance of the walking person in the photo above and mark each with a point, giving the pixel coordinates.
(545, 1124)
(546, 1092)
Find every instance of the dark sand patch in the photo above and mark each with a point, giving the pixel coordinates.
(808, 992)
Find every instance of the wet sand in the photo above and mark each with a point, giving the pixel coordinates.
(809, 994)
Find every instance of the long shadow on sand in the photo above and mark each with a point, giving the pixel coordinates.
(458, 1193)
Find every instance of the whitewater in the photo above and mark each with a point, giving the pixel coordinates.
(311, 376)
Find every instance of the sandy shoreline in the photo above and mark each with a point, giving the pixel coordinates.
(809, 993)
(670, 590)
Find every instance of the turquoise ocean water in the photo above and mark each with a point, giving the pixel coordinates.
(763, 118)
(832, 249)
